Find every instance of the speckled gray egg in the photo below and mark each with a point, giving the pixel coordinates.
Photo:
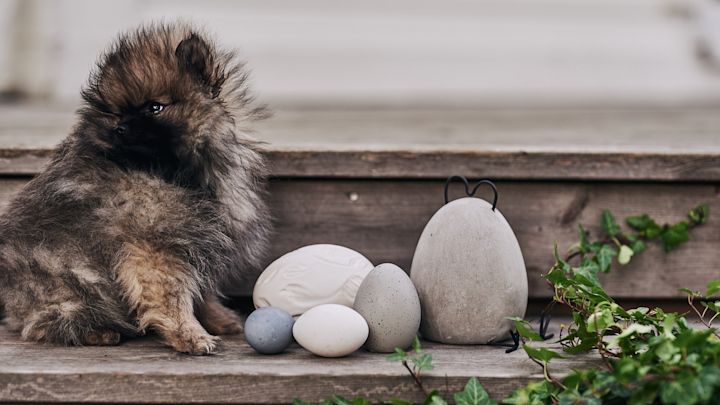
(388, 301)
(269, 330)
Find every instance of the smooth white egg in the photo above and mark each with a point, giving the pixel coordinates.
(331, 330)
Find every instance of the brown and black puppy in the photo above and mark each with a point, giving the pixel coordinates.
(153, 201)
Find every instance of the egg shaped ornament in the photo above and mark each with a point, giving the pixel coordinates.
(310, 276)
(331, 330)
(469, 272)
(389, 303)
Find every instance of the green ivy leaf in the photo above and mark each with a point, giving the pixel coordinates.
(473, 394)
(339, 400)
(674, 236)
(434, 398)
(398, 355)
(535, 393)
(609, 224)
(713, 287)
(584, 242)
(588, 271)
(712, 306)
(541, 353)
(416, 344)
(635, 329)
(699, 214)
(423, 362)
(604, 257)
(525, 330)
(641, 223)
(638, 246)
(600, 320)
(689, 292)
(625, 254)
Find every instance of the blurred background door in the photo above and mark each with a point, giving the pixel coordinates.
(405, 53)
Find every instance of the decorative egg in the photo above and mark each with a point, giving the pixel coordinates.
(469, 273)
(269, 330)
(311, 276)
(388, 301)
(331, 330)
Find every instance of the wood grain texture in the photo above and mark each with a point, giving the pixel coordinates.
(498, 165)
(142, 371)
(383, 219)
(662, 144)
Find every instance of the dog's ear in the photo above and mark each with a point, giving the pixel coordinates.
(197, 58)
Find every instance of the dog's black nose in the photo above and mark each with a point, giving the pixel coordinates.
(121, 129)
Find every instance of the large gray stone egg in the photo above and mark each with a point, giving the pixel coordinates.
(389, 303)
(469, 273)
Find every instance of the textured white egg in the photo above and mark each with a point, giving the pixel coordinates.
(469, 273)
(331, 330)
(311, 276)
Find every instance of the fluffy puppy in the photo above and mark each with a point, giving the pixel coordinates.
(153, 201)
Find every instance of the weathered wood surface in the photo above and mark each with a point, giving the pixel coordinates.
(386, 219)
(662, 144)
(383, 219)
(142, 371)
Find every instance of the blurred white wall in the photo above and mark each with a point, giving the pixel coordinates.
(404, 52)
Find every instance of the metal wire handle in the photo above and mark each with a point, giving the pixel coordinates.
(467, 188)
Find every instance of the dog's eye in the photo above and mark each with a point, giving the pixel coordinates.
(155, 108)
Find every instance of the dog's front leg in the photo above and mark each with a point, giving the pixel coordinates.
(161, 291)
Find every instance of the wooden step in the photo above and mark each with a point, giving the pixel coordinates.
(142, 371)
(370, 179)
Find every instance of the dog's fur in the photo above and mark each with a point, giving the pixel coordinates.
(141, 214)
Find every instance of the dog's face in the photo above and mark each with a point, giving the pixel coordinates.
(159, 92)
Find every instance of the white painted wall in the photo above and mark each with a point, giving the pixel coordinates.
(404, 52)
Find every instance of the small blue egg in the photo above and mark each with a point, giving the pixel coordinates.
(269, 330)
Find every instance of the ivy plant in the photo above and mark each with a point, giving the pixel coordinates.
(648, 356)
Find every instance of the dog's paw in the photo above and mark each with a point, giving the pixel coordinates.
(102, 338)
(198, 345)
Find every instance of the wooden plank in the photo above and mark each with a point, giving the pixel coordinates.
(671, 144)
(142, 371)
(383, 219)
(435, 165)
(498, 165)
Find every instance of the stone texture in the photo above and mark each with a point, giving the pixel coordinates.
(389, 303)
(331, 330)
(269, 330)
(469, 273)
(310, 276)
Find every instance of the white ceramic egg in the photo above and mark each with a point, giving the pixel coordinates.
(310, 276)
(331, 330)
